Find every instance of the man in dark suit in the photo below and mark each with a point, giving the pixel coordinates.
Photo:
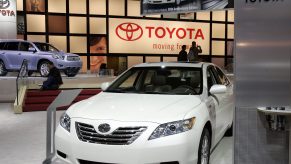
(183, 54)
(54, 79)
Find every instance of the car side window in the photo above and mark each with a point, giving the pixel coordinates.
(12, 46)
(24, 46)
(215, 74)
(2, 44)
(222, 77)
(210, 78)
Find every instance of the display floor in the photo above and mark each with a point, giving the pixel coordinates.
(22, 139)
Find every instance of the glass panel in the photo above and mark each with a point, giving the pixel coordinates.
(230, 31)
(97, 7)
(203, 15)
(218, 15)
(153, 16)
(60, 42)
(153, 59)
(57, 24)
(219, 62)
(78, 44)
(133, 8)
(218, 30)
(134, 60)
(187, 16)
(78, 25)
(218, 48)
(84, 66)
(97, 25)
(230, 16)
(169, 59)
(116, 7)
(35, 5)
(35, 23)
(98, 45)
(78, 6)
(19, 5)
(36, 38)
(57, 6)
(20, 24)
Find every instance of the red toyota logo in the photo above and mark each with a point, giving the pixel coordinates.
(129, 31)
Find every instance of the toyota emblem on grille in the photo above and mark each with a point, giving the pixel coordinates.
(4, 4)
(104, 128)
(129, 31)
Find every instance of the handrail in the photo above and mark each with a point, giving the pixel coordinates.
(23, 72)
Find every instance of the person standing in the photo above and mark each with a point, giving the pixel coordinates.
(182, 54)
(54, 79)
(193, 52)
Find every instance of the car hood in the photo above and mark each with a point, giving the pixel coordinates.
(135, 107)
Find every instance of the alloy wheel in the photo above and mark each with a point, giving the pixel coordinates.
(44, 69)
(3, 70)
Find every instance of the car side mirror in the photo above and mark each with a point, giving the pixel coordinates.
(31, 49)
(217, 89)
(105, 85)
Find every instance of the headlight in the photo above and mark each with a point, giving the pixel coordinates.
(57, 56)
(172, 128)
(65, 122)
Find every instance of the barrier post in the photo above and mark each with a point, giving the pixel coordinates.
(66, 97)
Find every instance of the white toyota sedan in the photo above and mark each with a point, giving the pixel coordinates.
(154, 113)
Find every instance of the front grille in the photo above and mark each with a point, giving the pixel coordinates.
(120, 136)
(73, 58)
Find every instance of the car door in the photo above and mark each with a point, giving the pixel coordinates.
(215, 101)
(227, 99)
(12, 55)
(30, 56)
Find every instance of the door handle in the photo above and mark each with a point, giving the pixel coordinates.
(19, 54)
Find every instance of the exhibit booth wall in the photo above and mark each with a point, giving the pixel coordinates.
(8, 17)
(262, 78)
(84, 27)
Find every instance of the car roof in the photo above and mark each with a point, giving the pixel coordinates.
(12, 40)
(173, 64)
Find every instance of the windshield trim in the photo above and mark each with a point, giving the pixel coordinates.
(143, 69)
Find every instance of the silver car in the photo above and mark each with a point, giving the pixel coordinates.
(38, 54)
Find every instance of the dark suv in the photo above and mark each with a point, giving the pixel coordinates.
(13, 52)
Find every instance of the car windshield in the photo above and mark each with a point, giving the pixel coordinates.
(46, 47)
(159, 80)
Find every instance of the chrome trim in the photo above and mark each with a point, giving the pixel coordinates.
(120, 136)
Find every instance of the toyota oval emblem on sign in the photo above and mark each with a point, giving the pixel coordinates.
(4, 4)
(129, 31)
(104, 128)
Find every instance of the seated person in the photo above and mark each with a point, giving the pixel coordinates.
(54, 79)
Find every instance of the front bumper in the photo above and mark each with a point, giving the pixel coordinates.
(63, 64)
(182, 148)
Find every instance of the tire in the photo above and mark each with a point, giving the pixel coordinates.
(70, 73)
(3, 70)
(229, 131)
(30, 73)
(43, 69)
(178, 2)
(204, 147)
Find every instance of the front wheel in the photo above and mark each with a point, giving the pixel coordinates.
(204, 147)
(43, 69)
(3, 70)
(70, 73)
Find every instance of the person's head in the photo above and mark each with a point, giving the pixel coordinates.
(50, 65)
(184, 47)
(193, 44)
